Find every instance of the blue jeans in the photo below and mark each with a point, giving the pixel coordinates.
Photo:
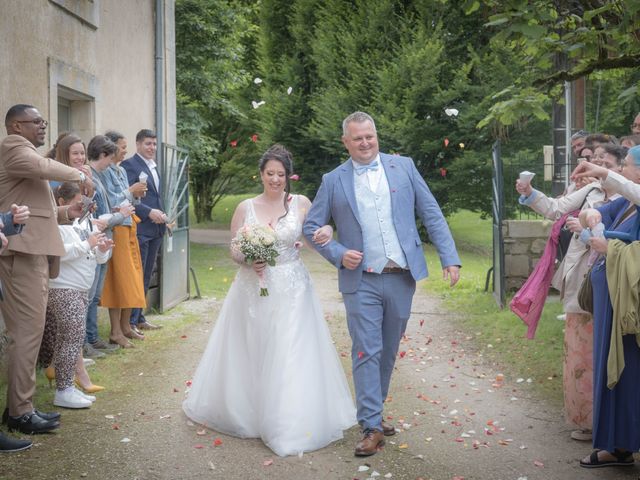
(94, 294)
(149, 248)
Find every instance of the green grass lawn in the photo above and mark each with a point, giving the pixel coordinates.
(221, 214)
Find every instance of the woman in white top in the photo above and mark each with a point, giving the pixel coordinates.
(67, 301)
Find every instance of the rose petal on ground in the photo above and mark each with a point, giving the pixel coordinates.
(201, 432)
(217, 442)
(363, 468)
(360, 354)
(403, 445)
(109, 417)
(538, 463)
(199, 446)
(267, 463)
(125, 440)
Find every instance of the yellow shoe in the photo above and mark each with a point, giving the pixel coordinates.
(89, 388)
(50, 373)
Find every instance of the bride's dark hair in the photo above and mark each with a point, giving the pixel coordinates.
(279, 153)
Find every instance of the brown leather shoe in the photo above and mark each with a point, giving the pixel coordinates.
(371, 441)
(388, 429)
(148, 326)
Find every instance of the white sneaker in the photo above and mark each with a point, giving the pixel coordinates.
(70, 398)
(88, 362)
(91, 398)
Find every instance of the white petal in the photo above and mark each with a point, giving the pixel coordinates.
(257, 80)
(289, 90)
(451, 112)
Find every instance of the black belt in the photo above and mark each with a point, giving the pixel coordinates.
(394, 270)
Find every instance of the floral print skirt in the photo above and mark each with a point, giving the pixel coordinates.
(578, 370)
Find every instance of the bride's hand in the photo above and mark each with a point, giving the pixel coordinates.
(259, 266)
(323, 235)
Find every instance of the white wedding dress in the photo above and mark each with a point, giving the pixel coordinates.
(270, 369)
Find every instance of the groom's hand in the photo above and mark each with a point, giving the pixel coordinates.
(452, 272)
(351, 259)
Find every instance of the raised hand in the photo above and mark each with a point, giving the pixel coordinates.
(588, 169)
(524, 188)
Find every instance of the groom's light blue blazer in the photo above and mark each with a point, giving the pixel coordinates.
(409, 195)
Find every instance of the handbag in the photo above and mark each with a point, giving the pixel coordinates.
(585, 294)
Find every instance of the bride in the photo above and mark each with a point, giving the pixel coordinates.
(270, 369)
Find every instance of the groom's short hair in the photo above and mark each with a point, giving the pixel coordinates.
(357, 117)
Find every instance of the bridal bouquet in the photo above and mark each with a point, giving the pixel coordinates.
(257, 242)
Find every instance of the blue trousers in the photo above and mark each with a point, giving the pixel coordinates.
(377, 315)
(94, 294)
(149, 248)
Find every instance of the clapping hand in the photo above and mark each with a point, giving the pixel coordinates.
(105, 245)
(96, 238)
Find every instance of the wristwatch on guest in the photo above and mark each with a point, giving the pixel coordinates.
(83, 177)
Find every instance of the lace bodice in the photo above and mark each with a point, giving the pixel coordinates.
(288, 231)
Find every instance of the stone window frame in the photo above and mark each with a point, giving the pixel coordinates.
(81, 89)
(87, 11)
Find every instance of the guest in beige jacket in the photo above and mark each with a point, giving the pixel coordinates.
(25, 263)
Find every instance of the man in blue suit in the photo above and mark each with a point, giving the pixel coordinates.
(373, 198)
(150, 210)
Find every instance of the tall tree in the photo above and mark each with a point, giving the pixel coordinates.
(213, 58)
(561, 41)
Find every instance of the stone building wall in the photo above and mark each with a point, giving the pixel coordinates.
(524, 242)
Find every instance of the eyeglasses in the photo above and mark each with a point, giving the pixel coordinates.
(40, 122)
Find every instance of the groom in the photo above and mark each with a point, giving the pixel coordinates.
(372, 199)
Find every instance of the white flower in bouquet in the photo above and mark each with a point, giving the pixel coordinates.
(257, 242)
